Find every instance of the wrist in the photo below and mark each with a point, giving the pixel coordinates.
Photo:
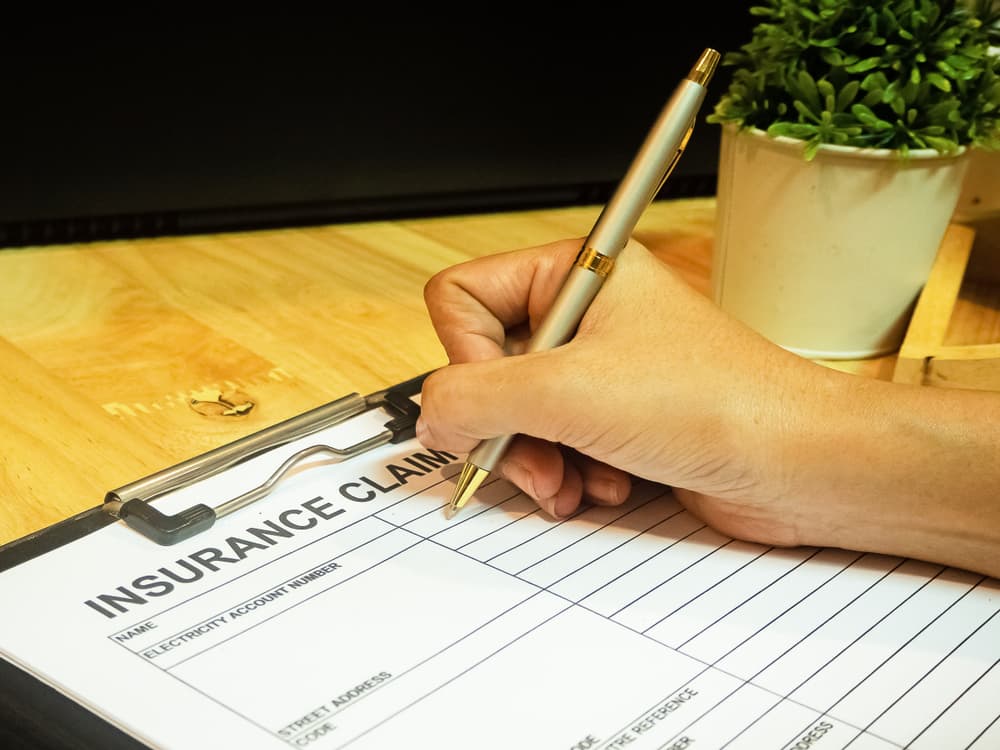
(902, 470)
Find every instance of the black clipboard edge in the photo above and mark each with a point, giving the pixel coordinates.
(36, 716)
(54, 536)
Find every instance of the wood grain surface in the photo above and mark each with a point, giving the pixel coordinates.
(118, 359)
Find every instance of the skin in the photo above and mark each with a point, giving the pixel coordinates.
(661, 384)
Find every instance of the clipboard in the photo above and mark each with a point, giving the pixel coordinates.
(27, 704)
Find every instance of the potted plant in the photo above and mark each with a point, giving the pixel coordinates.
(846, 131)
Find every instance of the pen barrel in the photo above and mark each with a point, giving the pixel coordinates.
(568, 309)
(560, 324)
(646, 174)
(488, 453)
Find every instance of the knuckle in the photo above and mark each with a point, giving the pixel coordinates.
(430, 395)
(434, 287)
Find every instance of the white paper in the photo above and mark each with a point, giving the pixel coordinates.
(376, 622)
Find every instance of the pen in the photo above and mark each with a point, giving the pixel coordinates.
(650, 168)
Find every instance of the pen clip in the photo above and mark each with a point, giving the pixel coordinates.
(676, 158)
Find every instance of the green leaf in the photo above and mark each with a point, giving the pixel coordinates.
(864, 114)
(844, 121)
(939, 81)
(891, 92)
(827, 91)
(944, 145)
(959, 62)
(873, 97)
(875, 80)
(868, 118)
(792, 130)
(807, 90)
(803, 109)
(832, 57)
(812, 146)
(941, 112)
(847, 94)
(945, 68)
(867, 64)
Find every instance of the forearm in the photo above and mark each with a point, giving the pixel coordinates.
(903, 470)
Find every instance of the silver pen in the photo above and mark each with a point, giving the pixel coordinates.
(650, 168)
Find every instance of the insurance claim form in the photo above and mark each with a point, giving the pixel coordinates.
(346, 610)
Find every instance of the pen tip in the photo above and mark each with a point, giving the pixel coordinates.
(468, 482)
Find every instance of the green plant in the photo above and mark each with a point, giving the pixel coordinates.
(896, 74)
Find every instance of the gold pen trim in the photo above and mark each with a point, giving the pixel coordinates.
(591, 260)
(472, 476)
(703, 70)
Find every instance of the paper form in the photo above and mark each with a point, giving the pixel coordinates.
(346, 611)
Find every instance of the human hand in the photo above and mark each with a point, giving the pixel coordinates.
(657, 383)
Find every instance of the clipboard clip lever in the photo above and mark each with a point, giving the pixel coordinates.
(131, 503)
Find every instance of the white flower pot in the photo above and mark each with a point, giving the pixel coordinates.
(826, 258)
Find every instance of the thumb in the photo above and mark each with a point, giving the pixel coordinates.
(463, 404)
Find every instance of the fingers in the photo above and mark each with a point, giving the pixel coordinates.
(464, 404)
(602, 484)
(560, 479)
(472, 304)
(539, 470)
(485, 393)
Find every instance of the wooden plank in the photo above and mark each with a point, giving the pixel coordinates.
(929, 322)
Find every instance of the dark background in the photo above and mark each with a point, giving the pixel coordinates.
(185, 127)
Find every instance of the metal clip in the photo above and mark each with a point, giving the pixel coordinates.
(131, 502)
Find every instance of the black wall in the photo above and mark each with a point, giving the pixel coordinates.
(185, 127)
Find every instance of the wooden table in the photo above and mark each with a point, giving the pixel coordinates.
(120, 358)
